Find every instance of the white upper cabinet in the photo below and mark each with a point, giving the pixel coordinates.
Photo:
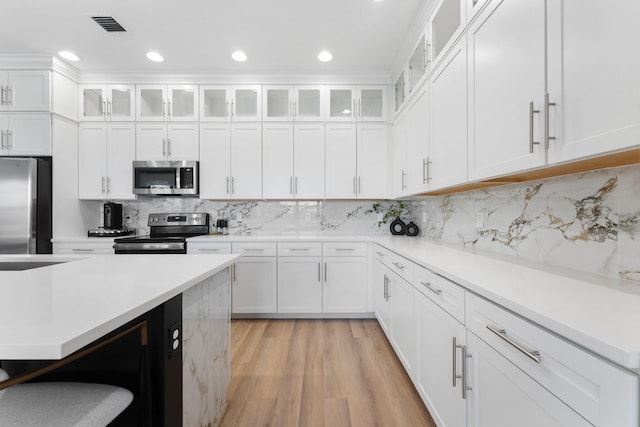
(506, 88)
(308, 161)
(277, 161)
(372, 149)
(340, 160)
(157, 141)
(597, 98)
(246, 161)
(239, 103)
(107, 103)
(277, 103)
(166, 103)
(399, 172)
(447, 163)
(399, 88)
(418, 64)
(25, 90)
(356, 103)
(445, 25)
(25, 134)
(416, 178)
(289, 103)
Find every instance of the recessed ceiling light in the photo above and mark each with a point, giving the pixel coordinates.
(325, 56)
(155, 56)
(239, 56)
(69, 55)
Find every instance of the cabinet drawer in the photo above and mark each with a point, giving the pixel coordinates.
(442, 291)
(383, 255)
(300, 249)
(254, 248)
(82, 248)
(402, 266)
(599, 391)
(209, 248)
(344, 249)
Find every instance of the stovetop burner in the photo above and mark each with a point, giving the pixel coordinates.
(109, 232)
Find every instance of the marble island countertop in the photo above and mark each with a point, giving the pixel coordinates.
(52, 311)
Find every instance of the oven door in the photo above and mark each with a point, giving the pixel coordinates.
(164, 178)
(121, 248)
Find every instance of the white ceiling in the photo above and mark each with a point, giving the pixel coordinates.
(198, 36)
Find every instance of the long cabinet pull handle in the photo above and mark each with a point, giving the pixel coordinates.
(532, 111)
(359, 185)
(164, 147)
(463, 374)
(295, 185)
(232, 108)
(108, 185)
(453, 362)
(2, 140)
(325, 272)
(404, 174)
(104, 108)
(102, 184)
(226, 110)
(400, 266)
(290, 185)
(319, 280)
(233, 186)
(431, 288)
(109, 108)
(354, 185)
(502, 334)
(9, 95)
(169, 114)
(9, 139)
(227, 185)
(168, 147)
(547, 104)
(2, 89)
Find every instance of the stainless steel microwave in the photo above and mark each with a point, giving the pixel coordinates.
(165, 178)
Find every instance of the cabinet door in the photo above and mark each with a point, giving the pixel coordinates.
(445, 26)
(246, 103)
(507, 73)
(399, 92)
(340, 155)
(277, 161)
(448, 124)
(399, 174)
(341, 103)
(92, 162)
(151, 103)
(121, 152)
(183, 141)
(93, 103)
(246, 161)
(29, 134)
(494, 381)
(435, 332)
(308, 164)
(299, 285)
(29, 90)
(345, 285)
(214, 103)
(380, 300)
(417, 149)
(418, 64)
(372, 103)
(277, 103)
(597, 96)
(372, 161)
(4, 136)
(121, 103)
(183, 103)
(254, 285)
(151, 141)
(215, 161)
(308, 103)
(400, 294)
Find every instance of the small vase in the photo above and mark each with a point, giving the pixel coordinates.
(412, 229)
(397, 227)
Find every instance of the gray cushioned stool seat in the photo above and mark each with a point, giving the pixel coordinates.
(61, 404)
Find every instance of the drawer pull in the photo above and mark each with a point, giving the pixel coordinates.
(299, 249)
(254, 249)
(400, 266)
(209, 250)
(81, 250)
(345, 249)
(431, 288)
(380, 254)
(531, 354)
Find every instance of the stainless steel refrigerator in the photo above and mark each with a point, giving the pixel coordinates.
(25, 205)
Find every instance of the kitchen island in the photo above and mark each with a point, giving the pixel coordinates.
(52, 311)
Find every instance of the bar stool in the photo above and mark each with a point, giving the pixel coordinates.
(61, 404)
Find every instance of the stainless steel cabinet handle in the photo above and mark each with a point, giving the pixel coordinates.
(344, 249)
(325, 272)
(502, 334)
(232, 109)
(547, 104)
(295, 108)
(400, 266)
(169, 112)
(9, 95)
(359, 185)
(2, 140)
(388, 293)
(109, 108)
(227, 185)
(81, 250)
(103, 184)
(9, 139)
(226, 110)
(254, 249)
(164, 147)
(2, 89)
(319, 280)
(454, 364)
(168, 147)
(209, 250)
(233, 187)
(380, 254)
(425, 170)
(108, 185)
(463, 376)
(295, 185)
(531, 113)
(290, 185)
(164, 109)
(354, 185)
(386, 288)
(431, 288)
(404, 174)
(233, 273)
(104, 108)
(299, 249)
(426, 54)
(360, 108)
(353, 108)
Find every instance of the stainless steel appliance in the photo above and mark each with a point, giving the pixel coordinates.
(165, 178)
(25, 205)
(168, 234)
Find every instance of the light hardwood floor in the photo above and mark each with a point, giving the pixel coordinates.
(321, 373)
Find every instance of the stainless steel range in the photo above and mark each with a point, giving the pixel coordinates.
(168, 234)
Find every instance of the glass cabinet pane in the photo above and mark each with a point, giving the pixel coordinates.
(340, 103)
(417, 64)
(151, 103)
(372, 103)
(309, 103)
(92, 102)
(246, 103)
(214, 103)
(182, 103)
(277, 103)
(445, 23)
(399, 91)
(121, 103)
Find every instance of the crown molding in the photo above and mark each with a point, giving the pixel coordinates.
(38, 62)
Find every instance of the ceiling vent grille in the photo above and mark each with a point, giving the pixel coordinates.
(109, 24)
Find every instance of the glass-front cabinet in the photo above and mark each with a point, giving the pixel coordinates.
(293, 103)
(166, 103)
(418, 64)
(356, 103)
(444, 27)
(399, 91)
(222, 103)
(107, 103)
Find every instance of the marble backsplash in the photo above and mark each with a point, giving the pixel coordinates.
(589, 222)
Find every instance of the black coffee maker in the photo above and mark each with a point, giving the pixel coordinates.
(112, 216)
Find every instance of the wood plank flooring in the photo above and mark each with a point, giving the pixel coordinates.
(324, 373)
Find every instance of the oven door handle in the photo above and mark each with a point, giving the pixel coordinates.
(149, 246)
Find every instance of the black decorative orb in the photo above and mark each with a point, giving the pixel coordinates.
(397, 227)
(411, 229)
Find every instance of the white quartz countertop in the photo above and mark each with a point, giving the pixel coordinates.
(286, 238)
(598, 313)
(50, 312)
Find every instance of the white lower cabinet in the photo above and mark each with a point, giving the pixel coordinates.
(299, 277)
(345, 285)
(254, 285)
(98, 247)
(380, 299)
(400, 294)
